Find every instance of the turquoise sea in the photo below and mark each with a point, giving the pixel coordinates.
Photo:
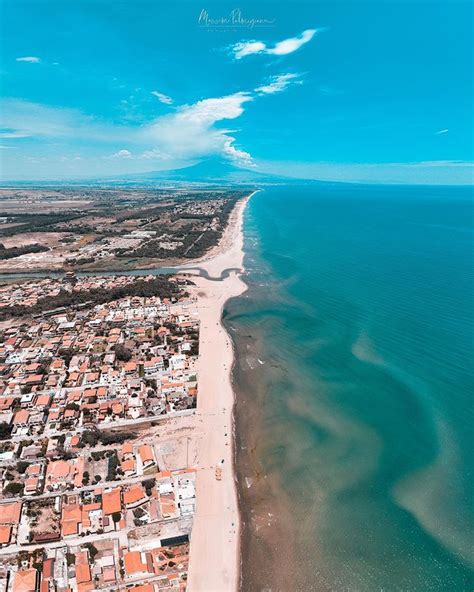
(355, 387)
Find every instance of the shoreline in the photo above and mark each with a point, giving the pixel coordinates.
(216, 536)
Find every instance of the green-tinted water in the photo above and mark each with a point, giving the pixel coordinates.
(354, 415)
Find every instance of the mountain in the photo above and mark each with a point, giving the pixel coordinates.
(212, 170)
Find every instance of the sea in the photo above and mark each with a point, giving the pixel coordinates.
(355, 382)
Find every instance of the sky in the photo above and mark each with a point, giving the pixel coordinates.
(377, 91)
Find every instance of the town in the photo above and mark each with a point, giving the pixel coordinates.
(92, 496)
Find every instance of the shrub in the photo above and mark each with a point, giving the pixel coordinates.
(13, 488)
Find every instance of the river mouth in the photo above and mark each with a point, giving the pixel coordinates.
(184, 271)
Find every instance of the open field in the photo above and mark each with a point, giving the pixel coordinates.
(109, 229)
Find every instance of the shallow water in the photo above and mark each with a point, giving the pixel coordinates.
(354, 371)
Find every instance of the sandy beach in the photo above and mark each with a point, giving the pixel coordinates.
(214, 560)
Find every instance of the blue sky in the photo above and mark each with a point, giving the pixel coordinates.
(364, 91)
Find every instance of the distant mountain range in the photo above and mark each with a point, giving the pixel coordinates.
(212, 170)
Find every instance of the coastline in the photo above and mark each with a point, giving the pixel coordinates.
(215, 540)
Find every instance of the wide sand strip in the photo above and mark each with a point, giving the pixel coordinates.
(214, 559)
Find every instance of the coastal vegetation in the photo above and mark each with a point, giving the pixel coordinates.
(10, 253)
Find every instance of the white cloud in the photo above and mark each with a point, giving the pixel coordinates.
(279, 83)
(442, 131)
(29, 59)
(238, 156)
(162, 98)
(290, 45)
(246, 48)
(122, 154)
(190, 132)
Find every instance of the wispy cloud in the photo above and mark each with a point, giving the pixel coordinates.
(442, 131)
(162, 98)
(154, 154)
(279, 83)
(329, 91)
(29, 59)
(246, 48)
(25, 119)
(9, 135)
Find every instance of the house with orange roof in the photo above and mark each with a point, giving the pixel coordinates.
(74, 396)
(91, 377)
(42, 401)
(57, 365)
(112, 501)
(21, 418)
(153, 366)
(83, 571)
(73, 379)
(72, 442)
(147, 457)
(33, 379)
(70, 414)
(34, 470)
(129, 368)
(10, 514)
(6, 403)
(32, 485)
(52, 381)
(63, 473)
(117, 408)
(71, 519)
(54, 415)
(127, 449)
(47, 580)
(128, 467)
(5, 534)
(102, 393)
(137, 564)
(32, 368)
(26, 580)
(135, 496)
